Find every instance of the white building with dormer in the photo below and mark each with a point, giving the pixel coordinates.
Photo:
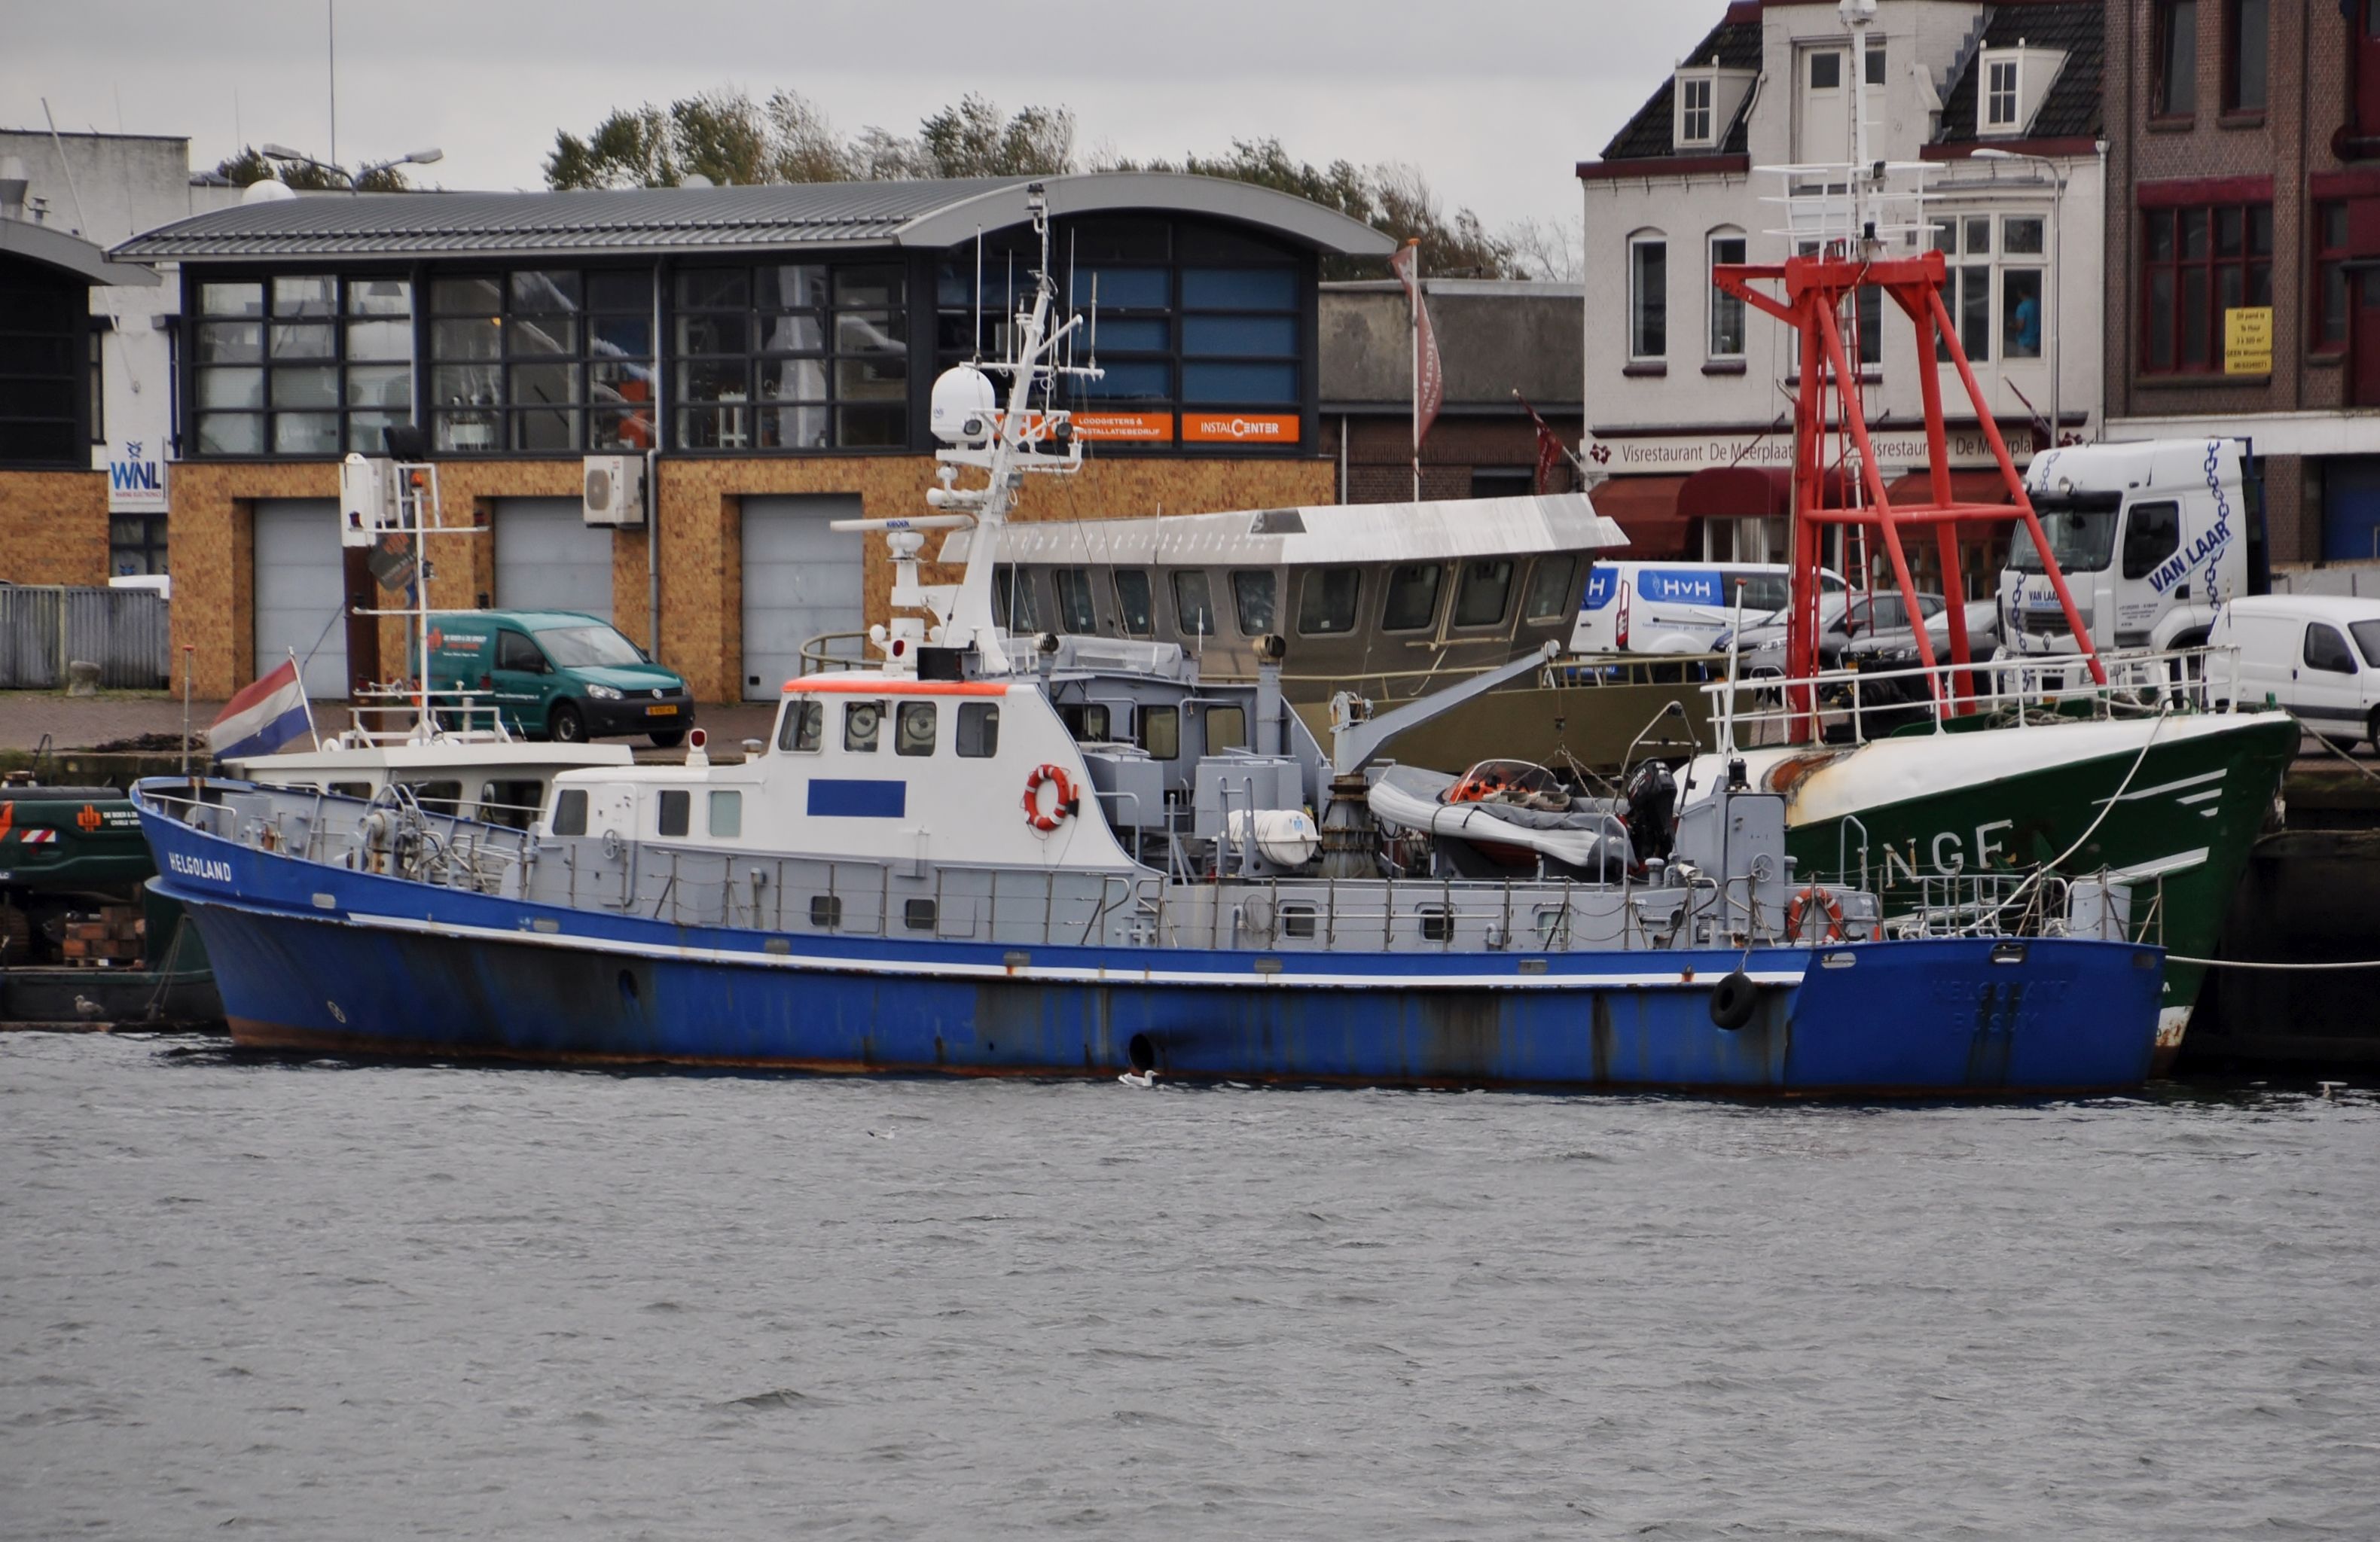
(1689, 396)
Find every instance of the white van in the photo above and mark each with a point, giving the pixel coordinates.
(1651, 606)
(2318, 656)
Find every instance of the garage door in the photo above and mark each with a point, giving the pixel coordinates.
(801, 580)
(548, 558)
(301, 591)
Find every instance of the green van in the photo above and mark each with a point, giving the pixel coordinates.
(558, 675)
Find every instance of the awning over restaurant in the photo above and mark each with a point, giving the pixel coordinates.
(1647, 508)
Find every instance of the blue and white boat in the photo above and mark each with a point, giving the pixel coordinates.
(1072, 856)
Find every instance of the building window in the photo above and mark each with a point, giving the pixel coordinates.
(2000, 93)
(95, 342)
(1996, 283)
(1648, 297)
(791, 355)
(1876, 64)
(1725, 310)
(1826, 70)
(2245, 54)
(303, 364)
(1866, 320)
(2176, 58)
(136, 544)
(549, 361)
(1694, 110)
(2199, 262)
(1196, 329)
(2329, 320)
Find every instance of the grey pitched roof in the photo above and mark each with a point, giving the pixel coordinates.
(70, 254)
(654, 220)
(2073, 108)
(1735, 43)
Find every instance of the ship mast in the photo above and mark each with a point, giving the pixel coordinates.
(1849, 227)
(1005, 443)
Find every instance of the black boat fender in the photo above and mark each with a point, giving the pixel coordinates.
(1734, 1000)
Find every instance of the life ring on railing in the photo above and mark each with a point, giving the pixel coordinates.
(1048, 775)
(1824, 897)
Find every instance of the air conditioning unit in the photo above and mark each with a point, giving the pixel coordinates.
(615, 490)
(366, 500)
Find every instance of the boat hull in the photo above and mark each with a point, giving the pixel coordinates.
(2180, 808)
(322, 958)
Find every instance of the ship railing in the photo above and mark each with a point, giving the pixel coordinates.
(389, 715)
(1855, 705)
(832, 651)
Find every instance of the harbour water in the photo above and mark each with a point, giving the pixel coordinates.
(307, 1299)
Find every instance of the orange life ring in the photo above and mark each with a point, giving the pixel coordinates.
(1054, 776)
(1825, 900)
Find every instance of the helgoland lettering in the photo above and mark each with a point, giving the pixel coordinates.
(199, 867)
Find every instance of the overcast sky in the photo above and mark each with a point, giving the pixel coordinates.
(1494, 103)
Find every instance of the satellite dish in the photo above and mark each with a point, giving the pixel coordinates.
(269, 190)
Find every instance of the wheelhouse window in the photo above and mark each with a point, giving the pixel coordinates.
(675, 806)
(541, 361)
(979, 733)
(1011, 600)
(1326, 601)
(1076, 612)
(2198, 263)
(2175, 91)
(1194, 608)
(1549, 597)
(2246, 50)
(1648, 297)
(2330, 314)
(1726, 310)
(1252, 597)
(1133, 610)
(863, 725)
(1411, 601)
(913, 731)
(791, 355)
(301, 363)
(805, 727)
(1486, 589)
(726, 815)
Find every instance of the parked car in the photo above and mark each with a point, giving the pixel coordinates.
(1852, 627)
(2317, 655)
(559, 674)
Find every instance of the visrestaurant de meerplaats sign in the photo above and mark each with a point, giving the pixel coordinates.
(1625, 454)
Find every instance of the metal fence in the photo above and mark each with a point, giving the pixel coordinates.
(46, 627)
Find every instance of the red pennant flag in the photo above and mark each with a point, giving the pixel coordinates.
(1429, 375)
(1552, 453)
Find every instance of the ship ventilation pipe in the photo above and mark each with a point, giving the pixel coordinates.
(1271, 739)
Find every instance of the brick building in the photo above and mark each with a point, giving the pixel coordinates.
(2244, 178)
(1496, 337)
(771, 349)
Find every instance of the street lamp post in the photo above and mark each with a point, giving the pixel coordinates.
(2058, 176)
(414, 158)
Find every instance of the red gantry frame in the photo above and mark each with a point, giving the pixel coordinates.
(1815, 288)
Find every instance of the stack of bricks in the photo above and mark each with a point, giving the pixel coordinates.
(117, 937)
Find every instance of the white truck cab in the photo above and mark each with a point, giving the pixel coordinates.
(2153, 539)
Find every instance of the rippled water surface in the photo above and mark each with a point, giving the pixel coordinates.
(320, 1301)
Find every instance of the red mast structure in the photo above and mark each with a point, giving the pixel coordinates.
(1840, 219)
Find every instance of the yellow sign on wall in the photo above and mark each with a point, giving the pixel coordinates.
(2248, 340)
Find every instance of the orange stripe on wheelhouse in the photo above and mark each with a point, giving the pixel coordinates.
(880, 686)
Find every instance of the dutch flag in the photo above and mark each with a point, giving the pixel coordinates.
(267, 715)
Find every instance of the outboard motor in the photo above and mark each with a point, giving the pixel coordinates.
(1652, 795)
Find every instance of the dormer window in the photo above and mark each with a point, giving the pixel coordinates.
(2000, 94)
(1705, 100)
(2011, 84)
(1694, 110)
